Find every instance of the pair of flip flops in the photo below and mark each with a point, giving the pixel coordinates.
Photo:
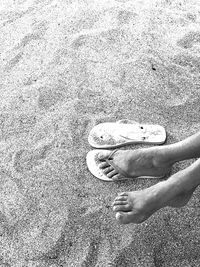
(111, 135)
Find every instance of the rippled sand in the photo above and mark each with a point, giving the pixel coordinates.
(65, 66)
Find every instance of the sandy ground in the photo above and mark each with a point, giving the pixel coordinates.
(67, 65)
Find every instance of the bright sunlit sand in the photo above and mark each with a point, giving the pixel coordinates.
(67, 65)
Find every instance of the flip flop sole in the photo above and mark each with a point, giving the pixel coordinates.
(112, 135)
(93, 166)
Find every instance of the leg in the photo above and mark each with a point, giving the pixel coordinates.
(137, 206)
(151, 161)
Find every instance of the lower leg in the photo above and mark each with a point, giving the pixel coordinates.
(186, 149)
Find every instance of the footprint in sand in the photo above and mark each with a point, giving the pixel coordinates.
(189, 39)
(26, 160)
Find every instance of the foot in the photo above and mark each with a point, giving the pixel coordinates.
(137, 206)
(152, 161)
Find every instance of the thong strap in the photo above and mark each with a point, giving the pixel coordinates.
(115, 167)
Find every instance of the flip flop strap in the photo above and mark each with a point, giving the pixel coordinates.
(115, 167)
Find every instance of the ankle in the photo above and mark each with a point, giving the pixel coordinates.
(165, 155)
(161, 192)
(182, 182)
(187, 179)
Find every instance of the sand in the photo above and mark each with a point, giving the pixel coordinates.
(67, 65)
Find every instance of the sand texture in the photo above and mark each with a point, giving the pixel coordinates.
(65, 66)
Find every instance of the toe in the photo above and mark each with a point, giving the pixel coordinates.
(119, 202)
(103, 165)
(102, 155)
(117, 177)
(121, 198)
(125, 207)
(123, 194)
(111, 174)
(123, 217)
(108, 169)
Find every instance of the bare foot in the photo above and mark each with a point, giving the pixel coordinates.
(137, 206)
(151, 161)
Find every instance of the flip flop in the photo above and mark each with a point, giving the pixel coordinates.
(93, 165)
(124, 132)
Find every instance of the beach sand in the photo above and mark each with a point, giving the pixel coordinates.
(67, 65)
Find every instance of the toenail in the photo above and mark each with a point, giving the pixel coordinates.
(116, 178)
(119, 216)
(122, 194)
(114, 208)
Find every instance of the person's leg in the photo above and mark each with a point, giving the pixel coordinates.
(151, 161)
(137, 206)
(186, 149)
